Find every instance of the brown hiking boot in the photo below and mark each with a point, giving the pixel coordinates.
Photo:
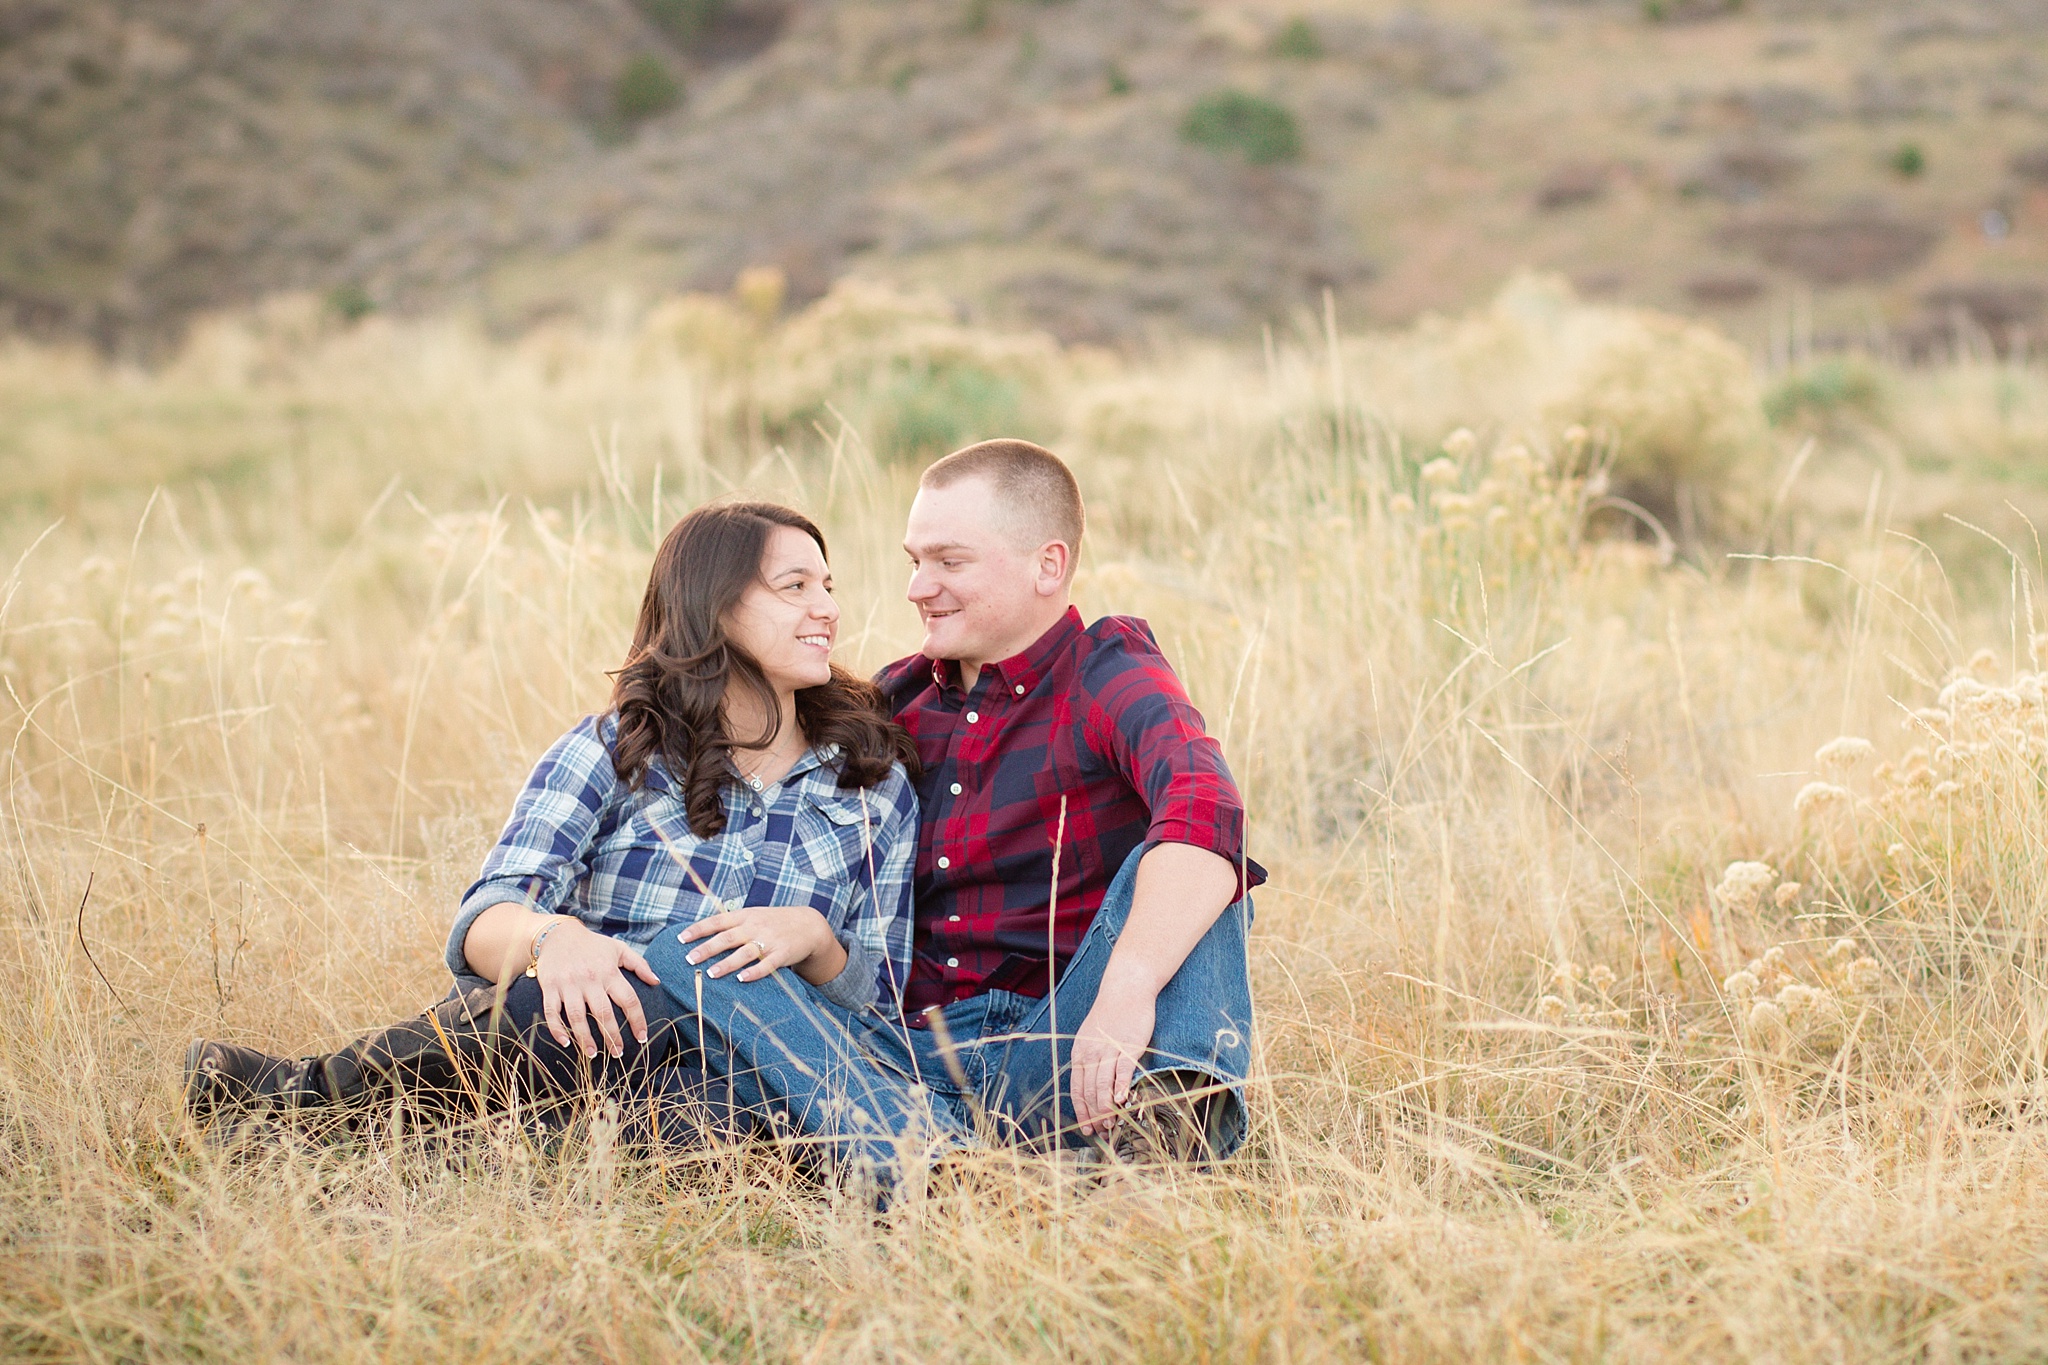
(443, 1061)
(229, 1084)
(1165, 1121)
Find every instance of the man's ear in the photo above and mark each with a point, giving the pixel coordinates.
(1055, 559)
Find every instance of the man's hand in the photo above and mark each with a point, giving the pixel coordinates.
(757, 940)
(582, 976)
(1180, 892)
(1107, 1048)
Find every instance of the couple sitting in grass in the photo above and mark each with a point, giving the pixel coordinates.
(997, 895)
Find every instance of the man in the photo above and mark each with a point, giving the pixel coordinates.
(1077, 977)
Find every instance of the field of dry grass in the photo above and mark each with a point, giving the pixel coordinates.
(1539, 1075)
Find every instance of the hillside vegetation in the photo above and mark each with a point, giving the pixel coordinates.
(1872, 174)
(1651, 964)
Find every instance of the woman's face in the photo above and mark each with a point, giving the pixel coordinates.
(786, 620)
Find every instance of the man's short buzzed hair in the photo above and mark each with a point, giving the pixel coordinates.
(1034, 484)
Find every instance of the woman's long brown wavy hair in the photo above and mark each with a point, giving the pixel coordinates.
(668, 695)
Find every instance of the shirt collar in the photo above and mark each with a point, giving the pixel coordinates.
(813, 758)
(1023, 671)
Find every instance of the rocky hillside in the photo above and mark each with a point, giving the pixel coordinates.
(1804, 169)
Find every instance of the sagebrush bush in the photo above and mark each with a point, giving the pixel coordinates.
(1232, 121)
(1826, 391)
(645, 88)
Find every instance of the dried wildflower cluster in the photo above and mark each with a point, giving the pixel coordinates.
(1586, 998)
(1957, 803)
(1775, 1006)
(1519, 504)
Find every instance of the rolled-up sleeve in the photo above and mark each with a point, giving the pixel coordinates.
(540, 857)
(877, 934)
(1144, 722)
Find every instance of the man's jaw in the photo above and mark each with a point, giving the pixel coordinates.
(935, 631)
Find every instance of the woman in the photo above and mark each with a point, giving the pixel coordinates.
(740, 781)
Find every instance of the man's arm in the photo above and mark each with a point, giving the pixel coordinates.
(1143, 722)
(1181, 892)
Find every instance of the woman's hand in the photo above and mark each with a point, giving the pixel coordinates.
(582, 976)
(761, 938)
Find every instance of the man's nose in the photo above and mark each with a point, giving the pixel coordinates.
(921, 587)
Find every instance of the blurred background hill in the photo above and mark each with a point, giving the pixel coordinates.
(1871, 173)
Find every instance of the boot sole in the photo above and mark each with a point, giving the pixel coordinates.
(197, 1103)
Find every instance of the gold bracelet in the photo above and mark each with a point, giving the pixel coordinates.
(533, 949)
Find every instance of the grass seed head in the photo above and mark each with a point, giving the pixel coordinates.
(1787, 895)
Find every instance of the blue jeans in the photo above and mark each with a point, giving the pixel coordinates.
(869, 1090)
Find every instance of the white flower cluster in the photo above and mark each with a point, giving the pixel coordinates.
(1518, 501)
(1743, 885)
(1775, 1007)
(1567, 1002)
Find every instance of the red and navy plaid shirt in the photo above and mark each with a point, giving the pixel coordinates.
(1093, 714)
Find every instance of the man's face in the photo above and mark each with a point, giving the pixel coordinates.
(977, 587)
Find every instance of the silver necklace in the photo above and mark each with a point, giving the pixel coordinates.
(753, 779)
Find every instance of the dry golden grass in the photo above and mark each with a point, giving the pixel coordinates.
(271, 715)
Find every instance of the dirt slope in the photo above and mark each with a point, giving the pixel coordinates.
(1834, 170)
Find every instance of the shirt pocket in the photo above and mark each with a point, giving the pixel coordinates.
(832, 834)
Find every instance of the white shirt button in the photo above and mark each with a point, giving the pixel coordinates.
(945, 862)
(952, 962)
(952, 919)
(973, 716)
(956, 789)
(1020, 689)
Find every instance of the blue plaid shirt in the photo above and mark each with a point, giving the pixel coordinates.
(581, 843)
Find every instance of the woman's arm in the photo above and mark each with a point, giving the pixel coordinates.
(536, 865)
(539, 858)
(581, 973)
(761, 938)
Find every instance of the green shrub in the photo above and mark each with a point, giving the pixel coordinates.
(1298, 40)
(350, 302)
(928, 407)
(645, 88)
(684, 21)
(1824, 392)
(1908, 161)
(1233, 121)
